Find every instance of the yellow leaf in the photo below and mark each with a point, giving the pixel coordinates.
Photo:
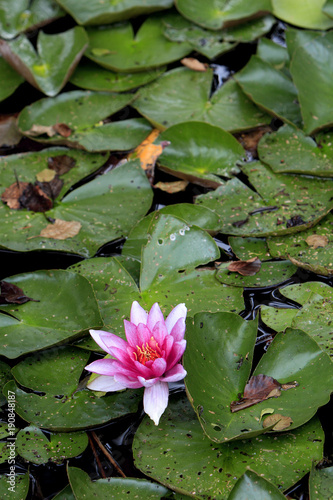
(45, 175)
(172, 187)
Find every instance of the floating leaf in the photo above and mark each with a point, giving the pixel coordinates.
(12, 294)
(98, 13)
(172, 187)
(271, 273)
(127, 52)
(309, 15)
(273, 53)
(320, 483)
(279, 421)
(33, 445)
(247, 248)
(9, 133)
(216, 14)
(252, 486)
(50, 67)
(20, 487)
(245, 267)
(203, 468)
(194, 64)
(219, 367)
(61, 229)
(54, 319)
(10, 80)
(200, 153)
(182, 95)
(258, 388)
(289, 150)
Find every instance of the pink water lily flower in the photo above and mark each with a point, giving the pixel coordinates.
(149, 358)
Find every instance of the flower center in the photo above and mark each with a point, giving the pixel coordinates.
(148, 352)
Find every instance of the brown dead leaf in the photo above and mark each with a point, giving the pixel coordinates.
(11, 195)
(245, 267)
(61, 229)
(62, 129)
(249, 140)
(33, 198)
(9, 133)
(45, 175)
(12, 294)
(61, 164)
(317, 241)
(52, 188)
(194, 64)
(40, 130)
(281, 422)
(172, 187)
(148, 153)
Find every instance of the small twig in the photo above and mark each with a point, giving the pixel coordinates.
(96, 457)
(107, 454)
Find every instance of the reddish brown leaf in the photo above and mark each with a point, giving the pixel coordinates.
(52, 188)
(246, 267)
(11, 195)
(33, 198)
(12, 294)
(61, 164)
(62, 129)
(249, 140)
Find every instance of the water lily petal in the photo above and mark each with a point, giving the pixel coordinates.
(175, 374)
(155, 400)
(121, 355)
(127, 382)
(144, 334)
(168, 343)
(149, 382)
(176, 353)
(158, 367)
(178, 331)
(105, 384)
(106, 340)
(102, 367)
(155, 315)
(131, 333)
(177, 312)
(138, 314)
(159, 333)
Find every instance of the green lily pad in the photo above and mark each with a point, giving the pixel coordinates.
(219, 368)
(200, 153)
(183, 95)
(33, 445)
(247, 248)
(27, 165)
(309, 15)
(202, 468)
(10, 80)
(115, 487)
(215, 14)
(117, 47)
(54, 319)
(251, 486)
(290, 150)
(192, 214)
(64, 404)
(82, 113)
(321, 483)
(50, 67)
(19, 487)
(5, 376)
(270, 89)
(314, 317)
(91, 76)
(284, 203)
(273, 53)
(24, 15)
(95, 12)
(311, 67)
(65, 494)
(302, 248)
(106, 207)
(173, 281)
(271, 273)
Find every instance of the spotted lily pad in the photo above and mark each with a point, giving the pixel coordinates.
(5, 376)
(116, 487)
(24, 15)
(50, 67)
(10, 79)
(95, 12)
(219, 367)
(91, 76)
(309, 15)
(63, 404)
(313, 85)
(20, 487)
(33, 445)
(284, 203)
(203, 468)
(106, 207)
(118, 49)
(247, 248)
(252, 486)
(270, 89)
(215, 14)
(270, 273)
(320, 483)
(183, 95)
(200, 153)
(315, 316)
(55, 316)
(290, 150)
(315, 256)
